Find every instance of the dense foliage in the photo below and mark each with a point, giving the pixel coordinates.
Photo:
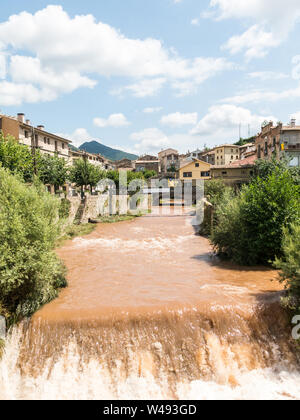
(289, 265)
(53, 171)
(30, 273)
(84, 174)
(249, 227)
(264, 168)
(18, 158)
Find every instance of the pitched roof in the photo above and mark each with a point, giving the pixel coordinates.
(249, 161)
(195, 161)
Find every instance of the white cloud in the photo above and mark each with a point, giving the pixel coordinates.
(179, 119)
(114, 120)
(268, 75)
(152, 110)
(2, 66)
(143, 88)
(63, 54)
(224, 121)
(150, 140)
(258, 96)
(270, 22)
(78, 137)
(255, 41)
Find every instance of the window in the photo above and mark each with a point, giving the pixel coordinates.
(49, 141)
(197, 165)
(205, 174)
(259, 152)
(187, 175)
(56, 147)
(45, 140)
(224, 173)
(63, 145)
(231, 157)
(26, 134)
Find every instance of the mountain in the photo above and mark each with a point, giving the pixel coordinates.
(107, 152)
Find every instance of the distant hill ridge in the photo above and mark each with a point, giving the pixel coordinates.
(107, 152)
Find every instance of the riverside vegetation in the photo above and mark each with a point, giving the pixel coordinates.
(261, 223)
(33, 223)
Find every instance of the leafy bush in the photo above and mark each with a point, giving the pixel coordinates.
(215, 190)
(264, 168)
(250, 227)
(53, 171)
(289, 265)
(64, 209)
(17, 158)
(30, 273)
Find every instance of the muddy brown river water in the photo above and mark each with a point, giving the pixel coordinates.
(151, 313)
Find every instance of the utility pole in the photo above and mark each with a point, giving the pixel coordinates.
(33, 145)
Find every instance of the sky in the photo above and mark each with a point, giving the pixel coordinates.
(146, 75)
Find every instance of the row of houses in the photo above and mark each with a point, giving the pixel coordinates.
(48, 143)
(233, 163)
(230, 162)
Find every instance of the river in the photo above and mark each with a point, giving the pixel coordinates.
(151, 313)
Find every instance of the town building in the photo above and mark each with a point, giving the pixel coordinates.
(34, 137)
(247, 150)
(194, 155)
(94, 159)
(147, 163)
(194, 170)
(169, 159)
(237, 173)
(209, 157)
(290, 141)
(124, 165)
(224, 154)
(279, 140)
(268, 141)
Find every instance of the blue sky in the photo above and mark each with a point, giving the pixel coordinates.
(146, 75)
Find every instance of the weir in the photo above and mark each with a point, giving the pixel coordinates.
(150, 313)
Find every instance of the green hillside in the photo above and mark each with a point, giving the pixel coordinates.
(107, 152)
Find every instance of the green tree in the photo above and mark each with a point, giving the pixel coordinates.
(289, 265)
(53, 171)
(84, 174)
(214, 190)
(30, 272)
(17, 158)
(250, 226)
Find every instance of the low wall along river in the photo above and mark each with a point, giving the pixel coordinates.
(150, 313)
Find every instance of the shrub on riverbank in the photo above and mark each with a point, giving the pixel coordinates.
(30, 273)
(289, 265)
(249, 228)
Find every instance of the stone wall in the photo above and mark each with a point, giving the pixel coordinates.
(93, 206)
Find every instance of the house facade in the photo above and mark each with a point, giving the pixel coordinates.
(275, 141)
(237, 173)
(34, 137)
(147, 163)
(169, 159)
(197, 169)
(96, 160)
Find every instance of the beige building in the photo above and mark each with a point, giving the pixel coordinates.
(169, 159)
(35, 137)
(96, 160)
(197, 169)
(225, 154)
(237, 173)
